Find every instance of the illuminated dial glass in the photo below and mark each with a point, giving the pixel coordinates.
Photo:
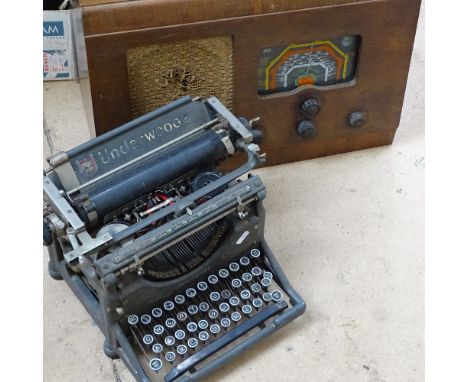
(318, 63)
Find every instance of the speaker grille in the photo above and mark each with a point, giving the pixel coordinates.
(161, 73)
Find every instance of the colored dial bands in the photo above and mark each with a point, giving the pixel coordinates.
(318, 63)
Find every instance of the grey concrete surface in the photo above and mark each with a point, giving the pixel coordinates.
(348, 231)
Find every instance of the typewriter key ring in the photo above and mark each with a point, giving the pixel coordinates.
(255, 253)
(157, 312)
(158, 330)
(169, 340)
(213, 314)
(148, 339)
(179, 334)
(157, 348)
(192, 343)
(182, 349)
(155, 364)
(244, 260)
(203, 336)
(192, 327)
(170, 356)
(277, 295)
(145, 319)
(223, 273)
(224, 307)
(133, 319)
(168, 305)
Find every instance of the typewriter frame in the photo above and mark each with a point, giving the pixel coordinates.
(102, 275)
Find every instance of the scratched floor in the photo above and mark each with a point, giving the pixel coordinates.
(349, 232)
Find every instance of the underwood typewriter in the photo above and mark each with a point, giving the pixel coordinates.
(167, 253)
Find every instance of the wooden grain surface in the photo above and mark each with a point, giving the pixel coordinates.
(387, 29)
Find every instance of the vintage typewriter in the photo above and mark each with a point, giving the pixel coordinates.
(167, 253)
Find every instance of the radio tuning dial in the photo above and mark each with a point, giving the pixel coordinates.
(306, 128)
(310, 107)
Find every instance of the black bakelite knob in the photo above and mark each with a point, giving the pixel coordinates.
(306, 129)
(310, 107)
(356, 119)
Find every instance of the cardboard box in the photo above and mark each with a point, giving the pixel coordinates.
(58, 52)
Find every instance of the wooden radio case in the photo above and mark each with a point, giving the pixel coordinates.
(325, 76)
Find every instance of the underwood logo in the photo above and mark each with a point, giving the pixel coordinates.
(53, 29)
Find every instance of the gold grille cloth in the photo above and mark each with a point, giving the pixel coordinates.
(161, 73)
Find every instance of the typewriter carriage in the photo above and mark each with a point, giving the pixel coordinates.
(107, 271)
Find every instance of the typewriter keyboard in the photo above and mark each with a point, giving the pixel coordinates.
(190, 327)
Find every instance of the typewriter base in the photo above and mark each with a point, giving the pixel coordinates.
(124, 350)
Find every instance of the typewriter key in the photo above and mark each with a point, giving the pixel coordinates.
(157, 312)
(145, 319)
(182, 349)
(203, 324)
(169, 340)
(277, 295)
(236, 316)
(168, 305)
(192, 343)
(204, 307)
(193, 309)
(179, 299)
(215, 328)
(223, 307)
(247, 277)
(182, 316)
(268, 275)
(213, 279)
(234, 301)
(155, 364)
(257, 303)
(179, 334)
(256, 271)
(203, 336)
(133, 319)
(267, 296)
(170, 323)
(226, 294)
(213, 314)
(247, 309)
(148, 339)
(255, 253)
(223, 273)
(215, 296)
(170, 356)
(158, 330)
(192, 327)
(190, 293)
(202, 286)
(157, 348)
(266, 282)
(244, 260)
(245, 294)
(234, 267)
(236, 283)
(225, 322)
(256, 288)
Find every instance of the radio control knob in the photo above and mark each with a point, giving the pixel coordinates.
(306, 129)
(356, 119)
(310, 107)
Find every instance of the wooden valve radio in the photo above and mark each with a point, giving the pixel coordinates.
(325, 76)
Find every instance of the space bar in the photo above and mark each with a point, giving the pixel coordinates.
(225, 340)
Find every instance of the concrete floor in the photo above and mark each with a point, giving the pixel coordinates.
(348, 231)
